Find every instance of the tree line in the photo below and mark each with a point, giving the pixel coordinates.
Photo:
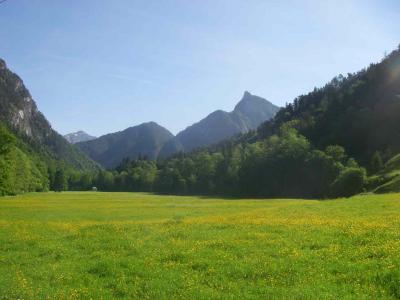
(282, 165)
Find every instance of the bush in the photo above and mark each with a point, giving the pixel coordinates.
(349, 182)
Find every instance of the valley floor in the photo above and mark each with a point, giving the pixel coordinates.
(128, 245)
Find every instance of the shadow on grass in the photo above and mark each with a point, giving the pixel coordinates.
(233, 197)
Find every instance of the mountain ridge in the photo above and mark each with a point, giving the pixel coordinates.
(248, 114)
(109, 150)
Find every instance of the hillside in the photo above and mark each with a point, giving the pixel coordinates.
(31, 152)
(142, 140)
(248, 114)
(19, 113)
(360, 112)
(386, 180)
(79, 136)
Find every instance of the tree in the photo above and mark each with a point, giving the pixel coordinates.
(105, 181)
(376, 162)
(7, 140)
(349, 182)
(336, 152)
(60, 180)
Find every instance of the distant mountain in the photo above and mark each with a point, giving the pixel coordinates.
(146, 139)
(153, 141)
(248, 114)
(19, 114)
(79, 136)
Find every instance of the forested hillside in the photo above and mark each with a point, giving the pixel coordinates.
(32, 151)
(20, 170)
(283, 165)
(360, 112)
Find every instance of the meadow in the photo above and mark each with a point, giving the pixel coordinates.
(87, 245)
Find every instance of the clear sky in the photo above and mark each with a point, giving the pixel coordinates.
(102, 66)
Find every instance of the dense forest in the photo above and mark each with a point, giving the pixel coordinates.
(20, 171)
(283, 165)
(25, 169)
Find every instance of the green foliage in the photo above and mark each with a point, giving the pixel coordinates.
(104, 181)
(19, 174)
(20, 171)
(376, 162)
(283, 165)
(388, 178)
(393, 163)
(390, 185)
(349, 182)
(7, 140)
(337, 153)
(60, 180)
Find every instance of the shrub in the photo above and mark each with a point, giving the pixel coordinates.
(349, 182)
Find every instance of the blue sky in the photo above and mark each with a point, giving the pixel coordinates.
(102, 66)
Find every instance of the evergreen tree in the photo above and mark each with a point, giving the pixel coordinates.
(376, 162)
(60, 180)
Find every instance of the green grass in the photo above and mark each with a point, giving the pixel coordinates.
(125, 245)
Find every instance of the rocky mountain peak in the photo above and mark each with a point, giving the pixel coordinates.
(2, 64)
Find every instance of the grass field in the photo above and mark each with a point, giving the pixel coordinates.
(126, 245)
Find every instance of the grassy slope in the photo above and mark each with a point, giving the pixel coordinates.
(388, 180)
(110, 245)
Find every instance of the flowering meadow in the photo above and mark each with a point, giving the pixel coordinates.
(92, 245)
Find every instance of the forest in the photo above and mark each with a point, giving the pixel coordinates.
(283, 165)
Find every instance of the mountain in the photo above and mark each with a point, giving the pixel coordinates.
(79, 136)
(247, 115)
(19, 113)
(32, 154)
(142, 140)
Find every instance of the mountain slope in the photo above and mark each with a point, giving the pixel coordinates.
(145, 140)
(79, 136)
(360, 112)
(248, 114)
(19, 113)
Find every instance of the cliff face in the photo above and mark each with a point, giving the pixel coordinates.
(17, 108)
